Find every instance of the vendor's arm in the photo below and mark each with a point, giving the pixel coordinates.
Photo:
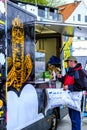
(60, 77)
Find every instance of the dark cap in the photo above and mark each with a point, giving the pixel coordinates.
(54, 60)
(71, 58)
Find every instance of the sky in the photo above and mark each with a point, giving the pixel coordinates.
(70, 1)
(66, 1)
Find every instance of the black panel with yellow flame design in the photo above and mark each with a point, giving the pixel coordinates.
(21, 65)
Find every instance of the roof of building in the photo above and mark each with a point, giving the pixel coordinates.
(67, 9)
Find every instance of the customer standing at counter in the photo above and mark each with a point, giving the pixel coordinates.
(73, 81)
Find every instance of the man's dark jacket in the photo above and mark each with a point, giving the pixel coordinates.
(74, 78)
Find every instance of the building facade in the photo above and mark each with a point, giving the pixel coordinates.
(74, 12)
(77, 13)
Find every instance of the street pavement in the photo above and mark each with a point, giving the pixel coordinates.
(65, 124)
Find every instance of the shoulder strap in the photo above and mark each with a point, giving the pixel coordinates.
(84, 72)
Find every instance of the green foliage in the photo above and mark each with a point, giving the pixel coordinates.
(41, 2)
(51, 3)
(55, 3)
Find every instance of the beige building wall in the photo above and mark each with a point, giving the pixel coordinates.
(49, 46)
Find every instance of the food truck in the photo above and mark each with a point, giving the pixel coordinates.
(26, 47)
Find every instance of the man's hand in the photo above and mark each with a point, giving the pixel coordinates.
(65, 87)
(59, 75)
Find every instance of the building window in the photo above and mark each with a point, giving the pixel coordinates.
(79, 17)
(78, 38)
(85, 18)
(73, 18)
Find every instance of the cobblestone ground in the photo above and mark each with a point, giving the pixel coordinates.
(65, 124)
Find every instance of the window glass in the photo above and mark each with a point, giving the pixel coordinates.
(73, 18)
(85, 18)
(79, 17)
(85, 38)
(78, 38)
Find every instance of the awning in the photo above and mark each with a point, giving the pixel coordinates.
(67, 29)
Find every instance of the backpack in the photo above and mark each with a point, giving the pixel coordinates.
(85, 79)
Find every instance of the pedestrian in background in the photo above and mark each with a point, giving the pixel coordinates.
(73, 81)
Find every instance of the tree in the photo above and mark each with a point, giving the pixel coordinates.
(54, 3)
(41, 2)
(51, 3)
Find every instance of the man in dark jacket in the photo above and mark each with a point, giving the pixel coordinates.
(73, 81)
